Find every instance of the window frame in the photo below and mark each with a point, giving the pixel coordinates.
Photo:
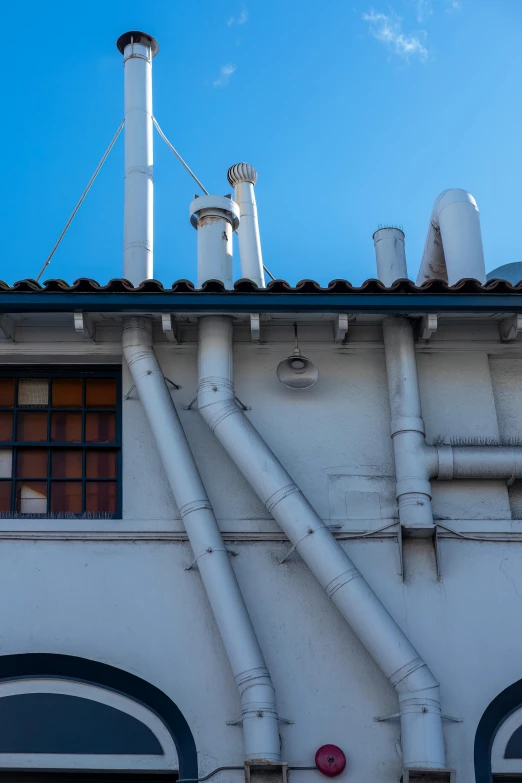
(51, 372)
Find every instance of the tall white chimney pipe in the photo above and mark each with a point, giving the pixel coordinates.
(215, 218)
(390, 255)
(243, 177)
(138, 49)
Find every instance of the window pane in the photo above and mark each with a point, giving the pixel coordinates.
(33, 392)
(31, 497)
(6, 425)
(67, 393)
(31, 463)
(66, 427)
(100, 497)
(66, 464)
(32, 426)
(5, 497)
(100, 464)
(100, 393)
(66, 496)
(7, 386)
(100, 427)
(6, 463)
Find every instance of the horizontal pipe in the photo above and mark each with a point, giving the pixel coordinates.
(417, 688)
(259, 714)
(479, 462)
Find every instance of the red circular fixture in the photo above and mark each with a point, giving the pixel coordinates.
(330, 760)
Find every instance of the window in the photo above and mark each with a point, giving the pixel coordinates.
(60, 442)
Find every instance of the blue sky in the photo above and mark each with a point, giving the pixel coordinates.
(356, 113)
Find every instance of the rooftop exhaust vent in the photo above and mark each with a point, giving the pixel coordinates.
(241, 172)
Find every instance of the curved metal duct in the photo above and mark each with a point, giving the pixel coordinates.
(453, 248)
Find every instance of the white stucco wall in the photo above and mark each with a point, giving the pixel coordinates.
(132, 604)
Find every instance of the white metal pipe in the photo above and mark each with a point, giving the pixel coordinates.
(453, 248)
(412, 456)
(243, 177)
(390, 255)
(259, 714)
(417, 688)
(215, 218)
(138, 50)
(479, 462)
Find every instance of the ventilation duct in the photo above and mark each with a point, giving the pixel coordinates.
(453, 248)
(243, 177)
(138, 49)
(390, 255)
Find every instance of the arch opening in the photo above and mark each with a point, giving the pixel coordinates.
(80, 717)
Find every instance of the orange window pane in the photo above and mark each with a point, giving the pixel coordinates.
(31, 497)
(6, 425)
(66, 393)
(66, 427)
(5, 497)
(100, 497)
(7, 387)
(32, 426)
(31, 463)
(66, 497)
(100, 393)
(100, 427)
(100, 464)
(66, 464)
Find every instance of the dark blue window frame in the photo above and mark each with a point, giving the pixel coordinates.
(67, 371)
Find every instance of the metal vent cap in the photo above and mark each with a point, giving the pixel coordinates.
(241, 172)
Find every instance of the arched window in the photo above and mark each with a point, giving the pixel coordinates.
(498, 741)
(61, 712)
(506, 753)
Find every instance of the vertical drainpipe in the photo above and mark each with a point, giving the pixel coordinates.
(243, 177)
(138, 49)
(390, 255)
(413, 458)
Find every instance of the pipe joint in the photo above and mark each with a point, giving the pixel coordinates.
(342, 580)
(405, 671)
(194, 505)
(413, 484)
(400, 424)
(445, 458)
(222, 410)
(281, 494)
(252, 678)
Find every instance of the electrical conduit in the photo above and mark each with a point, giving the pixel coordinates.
(416, 687)
(259, 715)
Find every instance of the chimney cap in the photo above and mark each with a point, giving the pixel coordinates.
(135, 36)
(241, 172)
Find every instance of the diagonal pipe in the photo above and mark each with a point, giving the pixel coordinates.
(259, 714)
(416, 686)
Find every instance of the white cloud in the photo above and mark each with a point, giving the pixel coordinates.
(225, 72)
(424, 10)
(387, 28)
(241, 19)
